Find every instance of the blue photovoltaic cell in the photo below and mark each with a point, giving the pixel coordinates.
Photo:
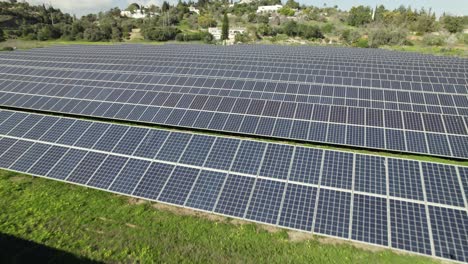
(300, 130)
(306, 165)
(395, 139)
(150, 146)
(57, 130)
(179, 185)
(337, 169)
(404, 177)
(370, 219)
(107, 172)
(416, 142)
(450, 232)
(41, 127)
(5, 144)
(318, 131)
(110, 139)
(206, 190)
(197, 150)
(12, 122)
(73, 133)
(333, 211)
(277, 161)
(459, 145)
(266, 201)
(375, 137)
(442, 185)
(298, 207)
(463, 171)
(370, 174)
(13, 153)
(235, 195)
(129, 176)
(24, 126)
(130, 140)
(92, 135)
(153, 181)
(47, 161)
(66, 164)
(222, 153)
(438, 144)
(408, 225)
(249, 157)
(86, 168)
(355, 135)
(336, 133)
(174, 147)
(30, 157)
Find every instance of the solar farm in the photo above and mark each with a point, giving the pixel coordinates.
(246, 132)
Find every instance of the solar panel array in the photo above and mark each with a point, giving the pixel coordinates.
(366, 98)
(403, 204)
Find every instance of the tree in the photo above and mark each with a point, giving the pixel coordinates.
(2, 37)
(165, 6)
(206, 21)
(359, 16)
(225, 28)
(286, 11)
(133, 7)
(453, 24)
(292, 4)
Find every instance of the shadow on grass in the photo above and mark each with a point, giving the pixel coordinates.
(18, 250)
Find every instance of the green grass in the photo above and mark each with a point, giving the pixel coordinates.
(461, 51)
(106, 227)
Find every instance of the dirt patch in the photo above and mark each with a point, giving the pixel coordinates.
(296, 236)
(136, 201)
(131, 225)
(189, 212)
(20, 178)
(337, 241)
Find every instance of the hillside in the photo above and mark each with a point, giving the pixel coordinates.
(402, 28)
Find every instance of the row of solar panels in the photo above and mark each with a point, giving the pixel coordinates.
(397, 139)
(355, 78)
(451, 124)
(272, 52)
(402, 204)
(422, 102)
(277, 66)
(283, 162)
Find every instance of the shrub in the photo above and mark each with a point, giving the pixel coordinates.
(350, 36)
(328, 28)
(161, 33)
(381, 37)
(8, 48)
(362, 43)
(195, 36)
(431, 40)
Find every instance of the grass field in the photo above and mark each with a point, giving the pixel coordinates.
(67, 224)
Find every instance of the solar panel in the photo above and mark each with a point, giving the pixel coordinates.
(347, 99)
(367, 198)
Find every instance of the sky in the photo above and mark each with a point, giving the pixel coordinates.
(81, 7)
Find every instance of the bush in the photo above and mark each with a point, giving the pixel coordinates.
(196, 36)
(328, 28)
(161, 33)
(242, 38)
(350, 36)
(2, 36)
(431, 40)
(362, 43)
(8, 49)
(381, 37)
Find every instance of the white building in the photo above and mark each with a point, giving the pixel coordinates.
(268, 9)
(192, 9)
(216, 32)
(139, 13)
(246, 1)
